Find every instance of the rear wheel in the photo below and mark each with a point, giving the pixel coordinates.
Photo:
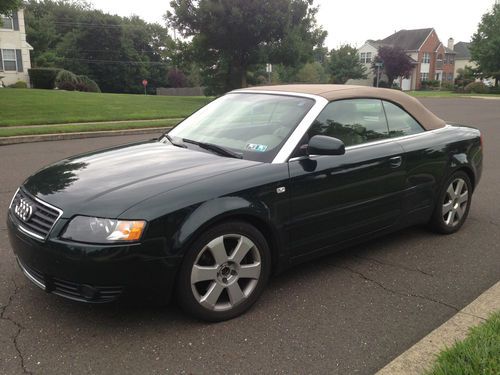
(224, 272)
(452, 207)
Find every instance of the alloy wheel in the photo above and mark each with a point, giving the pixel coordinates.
(455, 202)
(225, 272)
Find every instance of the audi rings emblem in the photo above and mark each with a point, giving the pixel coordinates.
(23, 209)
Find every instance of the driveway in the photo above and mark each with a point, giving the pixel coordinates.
(351, 312)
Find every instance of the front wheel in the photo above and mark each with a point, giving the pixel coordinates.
(452, 207)
(224, 272)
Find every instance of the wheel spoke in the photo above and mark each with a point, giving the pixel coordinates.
(249, 271)
(201, 273)
(212, 296)
(451, 191)
(459, 212)
(218, 250)
(241, 250)
(464, 197)
(450, 217)
(447, 207)
(460, 186)
(235, 293)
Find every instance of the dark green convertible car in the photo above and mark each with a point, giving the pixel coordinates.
(258, 180)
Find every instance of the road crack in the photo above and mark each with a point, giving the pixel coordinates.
(18, 325)
(406, 294)
(416, 269)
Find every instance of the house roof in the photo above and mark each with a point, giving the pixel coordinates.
(409, 40)
(338, 92)
(462, 50)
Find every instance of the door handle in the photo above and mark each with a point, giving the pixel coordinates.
(396, 161)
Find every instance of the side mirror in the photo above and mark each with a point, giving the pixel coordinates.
(324, 145)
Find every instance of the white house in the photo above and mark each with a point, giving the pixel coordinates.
(14, 50)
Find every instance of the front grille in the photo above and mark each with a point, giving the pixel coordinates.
(36, 218)
(71, 290)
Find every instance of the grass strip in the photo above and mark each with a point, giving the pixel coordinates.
(41, 107)
(11, 132)
(478, 354)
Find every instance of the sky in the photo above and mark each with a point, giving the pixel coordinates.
(355, 21)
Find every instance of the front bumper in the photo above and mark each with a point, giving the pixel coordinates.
(94, 273)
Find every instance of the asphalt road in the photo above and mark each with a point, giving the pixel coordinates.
(351, 312)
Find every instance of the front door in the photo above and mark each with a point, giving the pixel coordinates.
(339, 198)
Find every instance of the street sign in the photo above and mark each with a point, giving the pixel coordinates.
(144, 82)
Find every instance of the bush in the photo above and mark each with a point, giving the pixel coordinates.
(19, 85)
(87, 85)
(43, 78)
(476, 88)
(383, 84)
(66, 80)
(447, 86)
(494, 90)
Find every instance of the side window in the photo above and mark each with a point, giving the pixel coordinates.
(400, 122)
(353, 121)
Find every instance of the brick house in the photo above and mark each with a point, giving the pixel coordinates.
(14, 50)
(431, 59)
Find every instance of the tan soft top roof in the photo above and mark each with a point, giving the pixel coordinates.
(337, 92)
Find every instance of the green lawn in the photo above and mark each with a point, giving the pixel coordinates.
(30, 107)
(56, 129)
(478, 354)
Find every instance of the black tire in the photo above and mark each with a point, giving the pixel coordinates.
(189, 294)
(439, 222)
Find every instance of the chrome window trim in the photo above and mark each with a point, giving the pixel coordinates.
(293, 140)
(404, 137)
(382, 141)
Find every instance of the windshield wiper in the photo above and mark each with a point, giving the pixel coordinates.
(218, 149)
(175, 142)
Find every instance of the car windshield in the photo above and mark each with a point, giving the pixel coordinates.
(253, 126)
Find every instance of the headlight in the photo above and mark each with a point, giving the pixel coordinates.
(97, 230)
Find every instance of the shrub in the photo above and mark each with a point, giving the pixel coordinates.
(494, 90)
(447, 86)
(66, 80)
(87, 85)
(43, 78)
(476, 88)
(19, 85)
(383, 84)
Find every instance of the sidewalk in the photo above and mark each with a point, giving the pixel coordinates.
(421, 356)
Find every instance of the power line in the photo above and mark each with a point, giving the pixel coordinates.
(124, 62)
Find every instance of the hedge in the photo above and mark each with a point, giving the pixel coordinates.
(43, 78)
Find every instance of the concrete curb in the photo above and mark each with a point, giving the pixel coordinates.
(80, 135)
(421, 356)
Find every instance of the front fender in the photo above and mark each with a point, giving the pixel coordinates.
(216, 210)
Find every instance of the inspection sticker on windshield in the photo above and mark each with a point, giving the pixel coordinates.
(256, 147)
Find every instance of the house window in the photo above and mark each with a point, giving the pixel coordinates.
(6, 23)
(424, 76)
(365, 57)
(426, 59)
(450, 76)
(452, 59)
(9, 60)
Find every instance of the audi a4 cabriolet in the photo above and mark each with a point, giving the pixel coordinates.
(258, 180)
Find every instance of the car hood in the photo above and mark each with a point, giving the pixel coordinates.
(106, 183)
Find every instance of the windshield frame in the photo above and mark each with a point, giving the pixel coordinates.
(297, 133)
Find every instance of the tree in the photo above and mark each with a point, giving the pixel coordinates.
(7, 6)
(485, 45)
(311, 73)
(396, 63)
(229, 36)
(116, 52)
(344, 65)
